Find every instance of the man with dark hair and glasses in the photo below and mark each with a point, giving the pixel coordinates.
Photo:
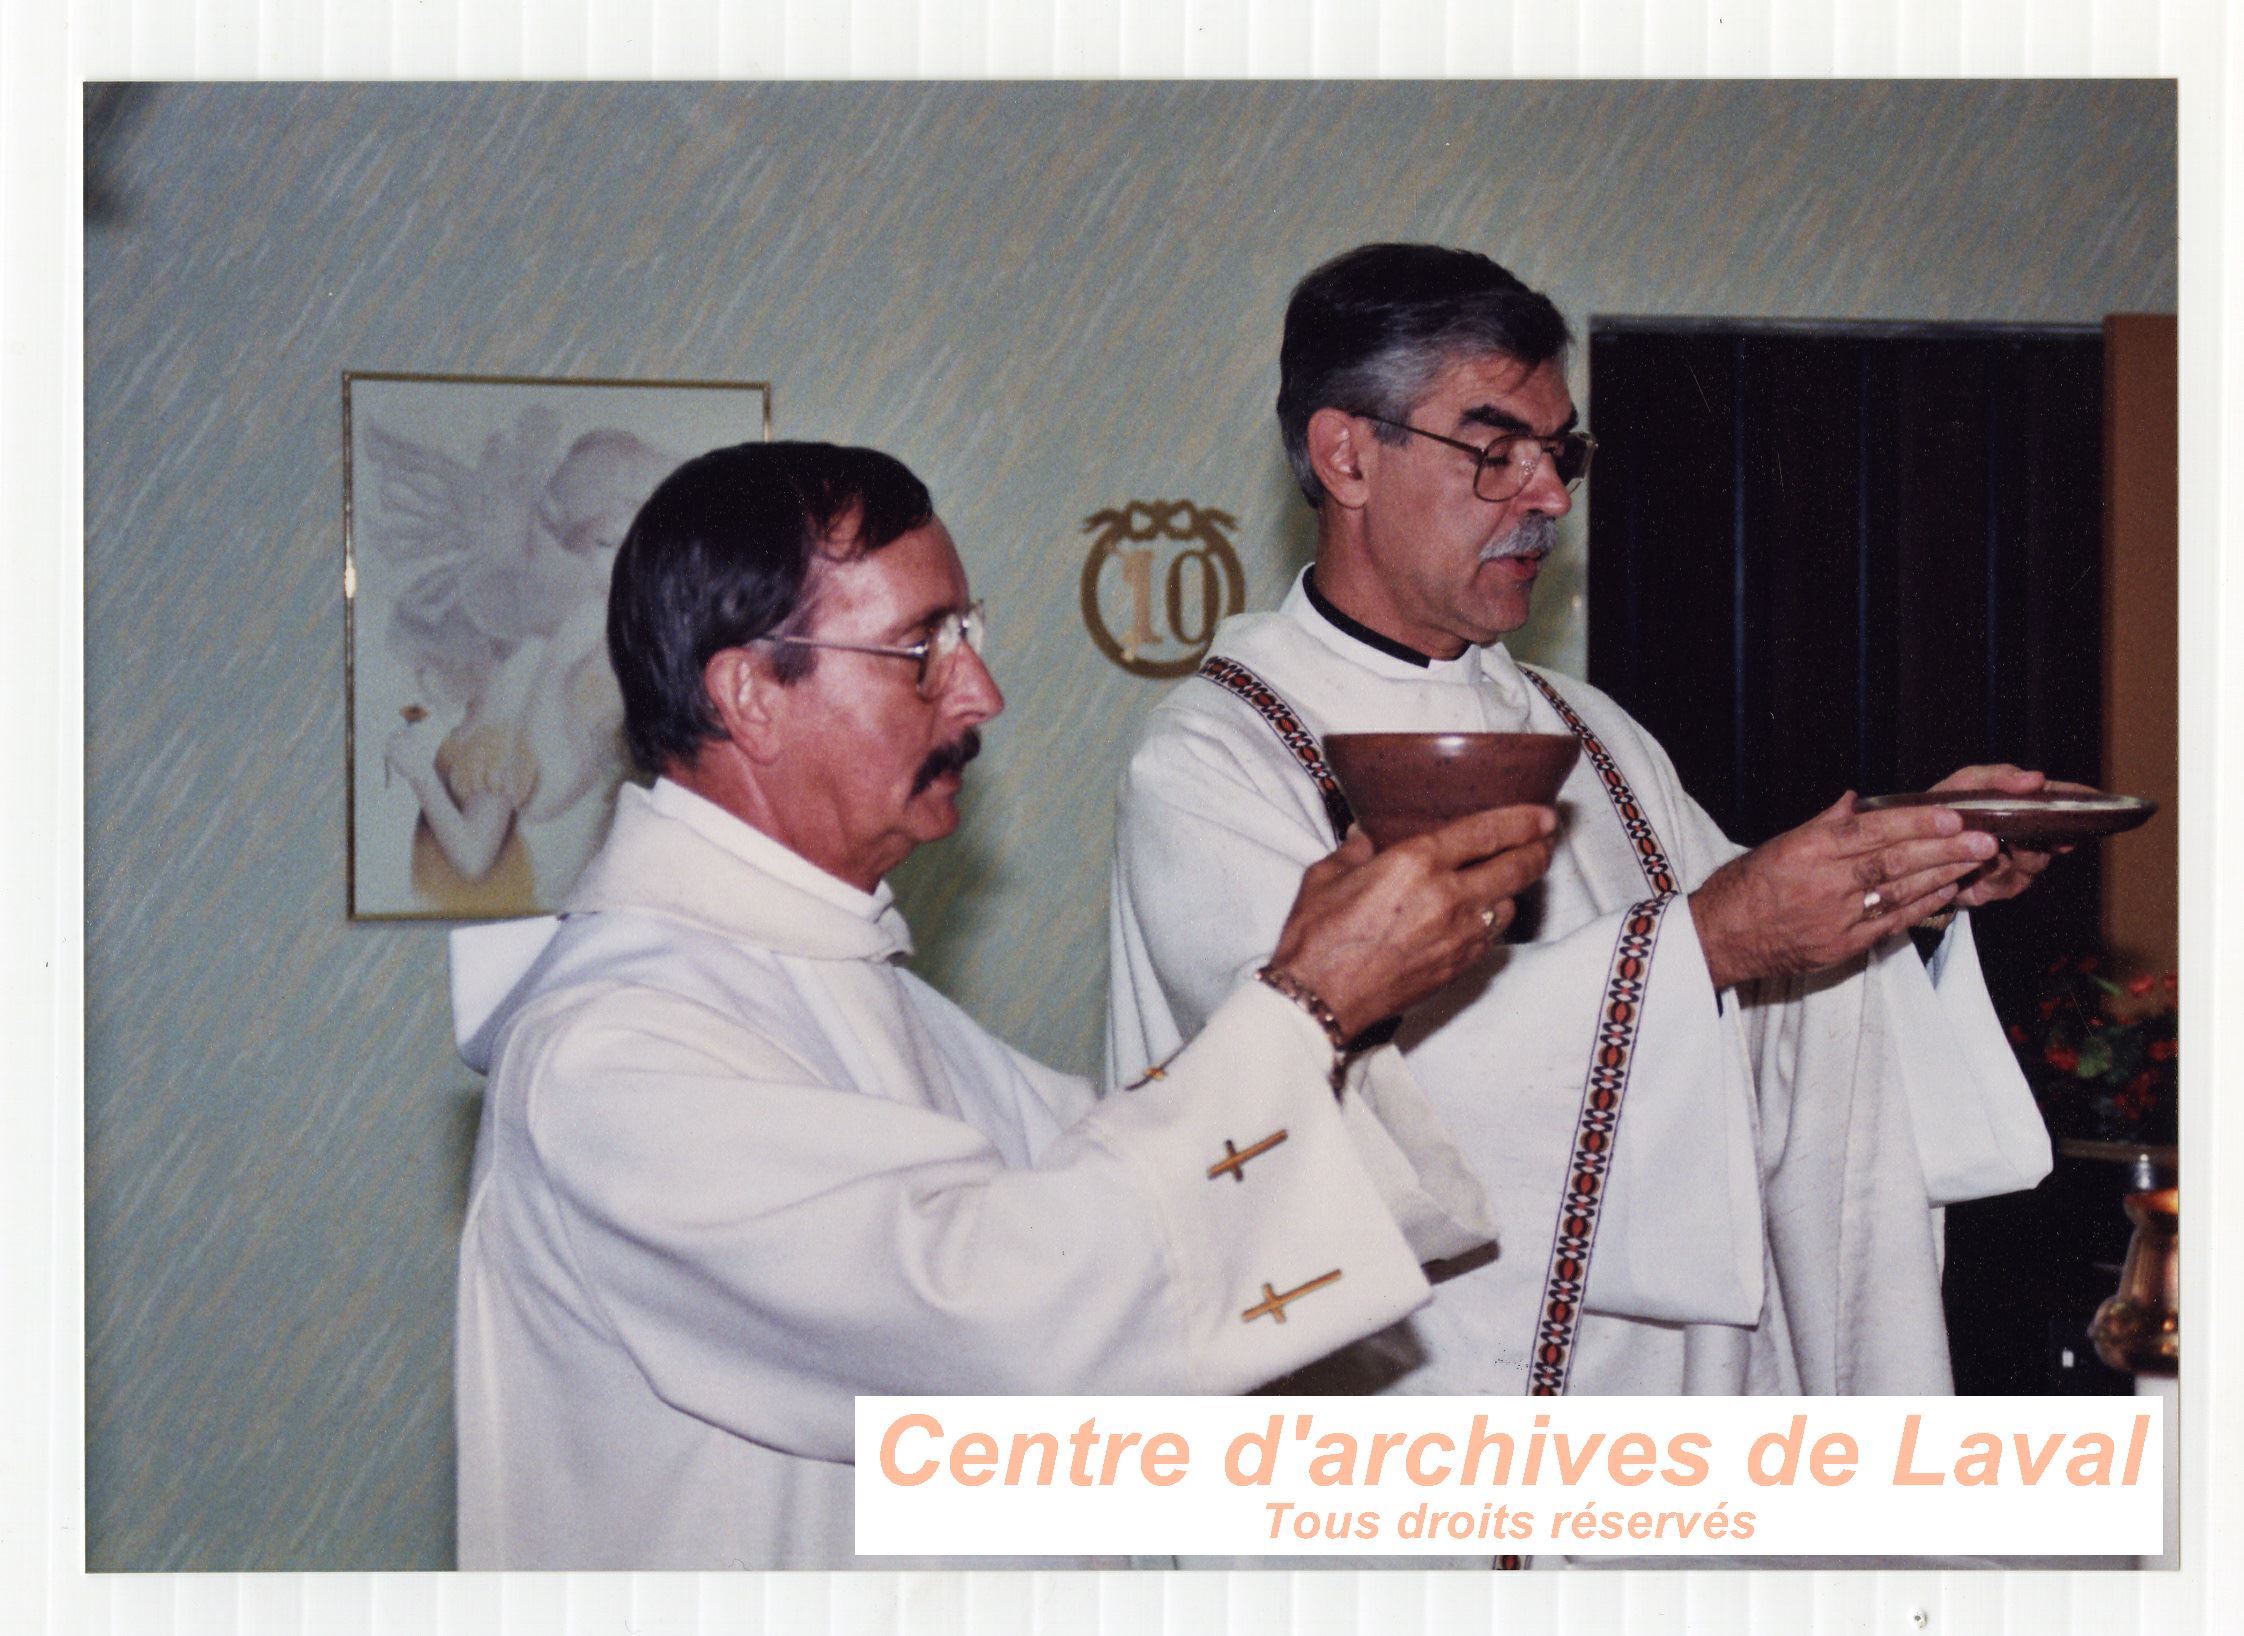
(737, 1165)
(1716, 1100)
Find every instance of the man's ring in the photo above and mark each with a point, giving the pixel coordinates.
(1873, 904)
(1488, 920)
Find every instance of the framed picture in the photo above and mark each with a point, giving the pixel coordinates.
(481, 516)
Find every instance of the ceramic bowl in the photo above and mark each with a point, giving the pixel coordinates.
(1404, 784)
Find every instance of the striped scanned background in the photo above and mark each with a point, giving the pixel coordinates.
(270, 1132)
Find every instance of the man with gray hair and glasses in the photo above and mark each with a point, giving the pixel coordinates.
(1717, 1100)
(737, 1165)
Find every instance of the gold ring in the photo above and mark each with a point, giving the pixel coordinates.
(1873, 904)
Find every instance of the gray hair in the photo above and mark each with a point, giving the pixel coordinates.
(1368, 331)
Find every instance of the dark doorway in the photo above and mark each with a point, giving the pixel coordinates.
(1860, 556)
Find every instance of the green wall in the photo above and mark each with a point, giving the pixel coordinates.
(1049, 299)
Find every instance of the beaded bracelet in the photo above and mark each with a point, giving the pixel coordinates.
(1302, 995)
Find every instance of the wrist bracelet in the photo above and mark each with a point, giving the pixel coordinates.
(1302, 995)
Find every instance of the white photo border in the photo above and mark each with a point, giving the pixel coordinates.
(51, 52)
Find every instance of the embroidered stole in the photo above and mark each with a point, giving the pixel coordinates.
(1620, 1008)
(1236, 678)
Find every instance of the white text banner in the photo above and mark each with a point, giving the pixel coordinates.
(1448, 1476)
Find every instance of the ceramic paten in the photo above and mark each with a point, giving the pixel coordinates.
(2053, 816)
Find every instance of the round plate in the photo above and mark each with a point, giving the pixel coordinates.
(2053, 816)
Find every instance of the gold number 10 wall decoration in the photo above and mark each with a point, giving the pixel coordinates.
(1160, 576)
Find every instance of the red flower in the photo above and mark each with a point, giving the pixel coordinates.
(2163, 1050)
(2172, 983)
(2017, 1035)
(2049, 1007)
(2087, 962)
(2141, 985)
(2063, 1058)
(2140, 1085)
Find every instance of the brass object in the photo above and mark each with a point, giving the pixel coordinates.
(2150, 1165)
(1155, 1072)
(1234, 1161)
(2139, 1328)
(1273, 1305)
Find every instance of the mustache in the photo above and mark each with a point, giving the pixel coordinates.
(947, 758)
(1535, 535)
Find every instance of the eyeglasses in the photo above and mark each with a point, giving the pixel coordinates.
(936, 653)
(1508, 464)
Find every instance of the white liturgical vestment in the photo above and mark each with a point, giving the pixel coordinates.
(1769, 1217)
(736, 1165)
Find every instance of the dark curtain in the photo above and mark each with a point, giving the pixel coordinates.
(1861, 556)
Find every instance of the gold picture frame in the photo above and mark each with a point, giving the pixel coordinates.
(480, 517)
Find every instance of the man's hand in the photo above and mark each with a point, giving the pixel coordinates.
(2012, 869)
(1375, 935)
(1805, 900)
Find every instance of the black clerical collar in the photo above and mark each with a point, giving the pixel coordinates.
(1358, 629)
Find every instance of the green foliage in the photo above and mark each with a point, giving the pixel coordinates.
(2102, 1056)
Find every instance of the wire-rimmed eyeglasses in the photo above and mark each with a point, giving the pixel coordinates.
(936, 653)
(1508, 462)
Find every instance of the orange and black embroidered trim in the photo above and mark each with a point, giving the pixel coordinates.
(1620, 1012)
(1641, 835)
(1233, 677)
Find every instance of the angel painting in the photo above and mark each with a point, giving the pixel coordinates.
(480, 627)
